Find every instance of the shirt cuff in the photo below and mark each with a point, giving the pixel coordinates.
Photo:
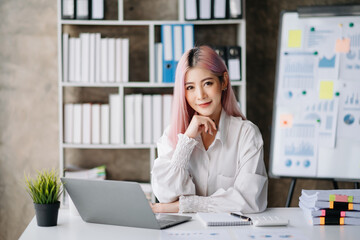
(194, 204)
(183, 150)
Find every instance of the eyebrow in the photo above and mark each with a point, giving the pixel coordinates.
(205, 79)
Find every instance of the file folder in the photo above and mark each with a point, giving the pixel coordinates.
(234, 63)
(235, 9)
(222, 52)
(190, 10)
(178, 45)
(68, 9)
(97, 9)
(82, 9)
(219, 9)
(188, 36)
(204, 9)
(168, 59)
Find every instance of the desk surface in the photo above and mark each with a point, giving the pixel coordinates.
(73, 227)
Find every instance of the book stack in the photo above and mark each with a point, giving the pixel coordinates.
(92, 59)
(331, 207)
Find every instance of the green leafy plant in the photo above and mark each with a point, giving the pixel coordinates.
(46, 188)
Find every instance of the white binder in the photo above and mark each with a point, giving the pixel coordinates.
(190, 10)
(205, 9)
(157, 117)
(92, 58)
(129, 120)
(138, 118)
(65, 57)
(85, 50)
(77, 123)
(178, 44)
(125, 59)
(219, 9)
(111, 60)
(104, 60)
(68, 122)
(188, 36)
(95, 123)
(147, 119)
(97, 57)
(118, 63)
(115, 118)
(86, 123)
(105, 123)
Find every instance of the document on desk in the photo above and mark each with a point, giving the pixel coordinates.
(196, 235)
(270, 233)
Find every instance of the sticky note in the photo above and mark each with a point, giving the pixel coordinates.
(342, 45)
(326, 90)
(294, 40)
(286, 120)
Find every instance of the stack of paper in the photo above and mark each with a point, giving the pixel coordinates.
(331, 207)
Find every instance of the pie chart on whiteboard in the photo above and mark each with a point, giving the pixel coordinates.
(349, 119)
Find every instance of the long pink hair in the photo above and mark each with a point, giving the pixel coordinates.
(204, 57)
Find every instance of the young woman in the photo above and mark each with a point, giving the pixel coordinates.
(210, 158)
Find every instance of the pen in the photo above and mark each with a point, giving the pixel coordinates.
(241, 216)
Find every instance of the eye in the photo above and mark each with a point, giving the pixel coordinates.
(189, 87)
(208, 83)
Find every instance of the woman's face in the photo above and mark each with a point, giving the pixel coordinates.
(203, 91)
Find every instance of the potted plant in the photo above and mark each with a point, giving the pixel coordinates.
(45, 191)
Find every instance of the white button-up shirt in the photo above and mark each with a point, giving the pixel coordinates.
(229, 176)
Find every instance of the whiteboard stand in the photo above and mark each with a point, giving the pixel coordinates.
(306, 37)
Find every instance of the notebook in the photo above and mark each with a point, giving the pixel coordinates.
(221, 219)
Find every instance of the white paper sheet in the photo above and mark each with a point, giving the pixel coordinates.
(213, 234)
(350, 62)
(349, 111)
(297, 81)
(322, 39)
(296, 154)
(271, 233)
(324, 114)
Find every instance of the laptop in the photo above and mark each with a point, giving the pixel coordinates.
(116, 203)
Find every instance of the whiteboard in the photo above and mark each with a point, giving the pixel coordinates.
(316, 117)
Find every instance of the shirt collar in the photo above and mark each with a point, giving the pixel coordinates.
(223, 126)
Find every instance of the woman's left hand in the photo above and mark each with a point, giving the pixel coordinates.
(165, 207)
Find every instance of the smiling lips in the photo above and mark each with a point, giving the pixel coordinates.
(204, 105)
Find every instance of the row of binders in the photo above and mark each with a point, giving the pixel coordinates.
(146, 117)
(230, 54)
(176, 39)
(212, 9)
(82, 9)
(331, 207)
(232, 58)
(92, 59)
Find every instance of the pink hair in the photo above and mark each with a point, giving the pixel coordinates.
(204, 57)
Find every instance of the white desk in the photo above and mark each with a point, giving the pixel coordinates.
(73, 227)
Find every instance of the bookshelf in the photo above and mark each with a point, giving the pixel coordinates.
(142, 34)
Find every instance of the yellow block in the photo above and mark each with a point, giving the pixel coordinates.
(326, 90)
(294, 40)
